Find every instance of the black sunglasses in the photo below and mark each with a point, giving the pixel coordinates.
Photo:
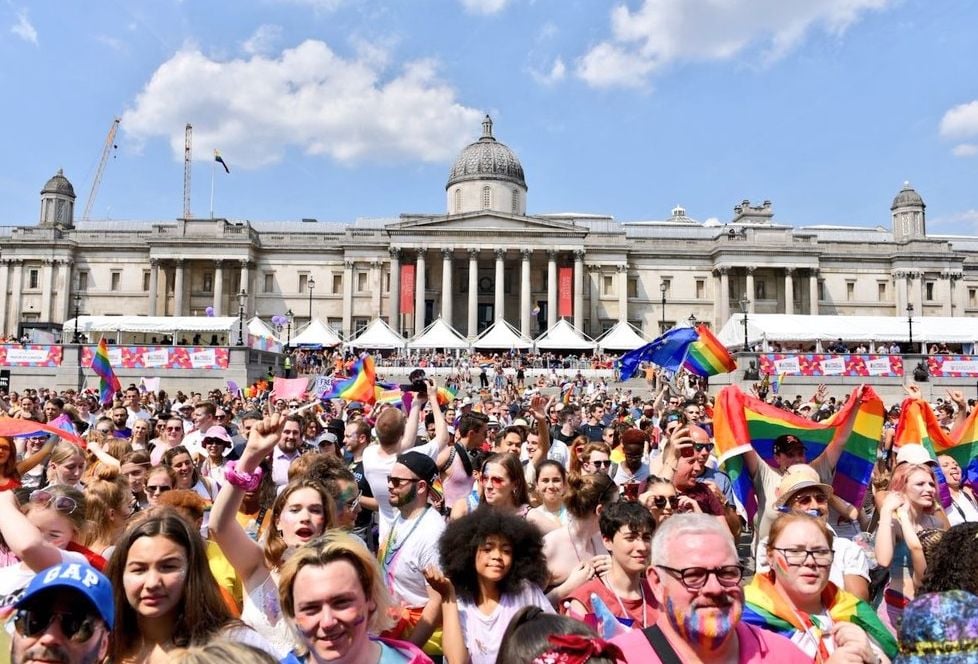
(601, 464)
(78, 627)
(660, 501)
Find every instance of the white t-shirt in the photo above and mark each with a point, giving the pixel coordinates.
(962, 510)
(412, 547)
(376, 468)
(14, 578)
(483, 633)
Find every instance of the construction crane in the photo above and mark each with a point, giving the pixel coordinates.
(188, 140)
(108, 147)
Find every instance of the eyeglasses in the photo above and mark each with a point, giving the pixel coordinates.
(660, 501)
(808, 499)
(494, 480)
(694, 578)
(353, 504)
(174, 428)
(214, 441)
(398, 482)
(798, 557)
(699, 447)
(63, 504)
(104, 431)
(78, 627)
(606, 463)
(157, 488)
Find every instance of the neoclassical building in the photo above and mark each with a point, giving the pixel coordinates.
(483, 259)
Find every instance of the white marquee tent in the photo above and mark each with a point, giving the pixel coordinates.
(259, 328)
(377, 335)
(439, 335)
(126, 328)
(563, 336)
(622, 337)
(502, 335)
(766, 328)
(317, 334)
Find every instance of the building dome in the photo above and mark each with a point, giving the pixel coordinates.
(908, 197)
(59, 185)
(487, 159)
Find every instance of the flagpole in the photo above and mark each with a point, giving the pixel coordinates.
(213, 170)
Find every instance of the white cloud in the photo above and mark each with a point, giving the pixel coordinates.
(557, 73)
(308, 98)
(960, 121)
(484, 6)
(317, 5)
(263, 40)
(24, 29)
(664, 31)
(965, 150)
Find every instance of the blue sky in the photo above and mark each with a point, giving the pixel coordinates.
(339, 109)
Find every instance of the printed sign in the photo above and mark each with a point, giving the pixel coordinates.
(565, 290)
(407, 289)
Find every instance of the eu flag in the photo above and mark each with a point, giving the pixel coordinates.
(667, 351)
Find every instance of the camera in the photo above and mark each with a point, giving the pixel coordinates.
(417, 384)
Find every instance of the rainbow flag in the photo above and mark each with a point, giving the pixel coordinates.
(219, 159)
(108, 383)
(742, 423)
(768, 609)
(918, 424)
(359, 386)
(707, 356)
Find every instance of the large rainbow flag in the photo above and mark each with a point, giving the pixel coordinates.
(108, 384)
(707, 356)
(742, 423)
(918, 424)
(361, 384)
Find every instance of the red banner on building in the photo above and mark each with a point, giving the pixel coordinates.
(565, 289)
(407, 289)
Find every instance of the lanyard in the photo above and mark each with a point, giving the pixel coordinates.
(624, 611)
(390, 553)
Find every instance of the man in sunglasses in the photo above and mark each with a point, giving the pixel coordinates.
(65, 615)
(695, 577)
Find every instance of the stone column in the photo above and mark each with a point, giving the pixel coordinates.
(551, 288)
(47, 276)
(948, 288)
(789, 290)
(244, 282)
(900, 280)
(419, 288)
(394, 311)
(218, 288)
(961, 293)
(813, 290)
(154, 286)
(16, 296)
(446, 284)
(347, 298)
(499, 302)
(473, 293)
(525, 304)
(4, 279)
(724, 295)
(751, 291)
(62, 289)
(917, 293)
(579, 289)
(178, 289)
(375, 286)
(594, 294)
(622, 295)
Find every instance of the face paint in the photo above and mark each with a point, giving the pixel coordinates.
(780, 565)
(706, 633)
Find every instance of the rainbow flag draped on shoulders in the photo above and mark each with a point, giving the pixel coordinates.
(742, 423)
(766, 608)
(359, 386)
(918, 424)
(707, 356)
(108, 384)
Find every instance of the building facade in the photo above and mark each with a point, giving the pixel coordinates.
(484, 259)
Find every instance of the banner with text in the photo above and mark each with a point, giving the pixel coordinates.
(162, 357)
(565, 289)
(819, 364)
(407, 289)
(953, 366)
(34, 355)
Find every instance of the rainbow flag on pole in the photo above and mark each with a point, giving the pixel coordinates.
(918, 424)
(707, 356)
(361, 384)
(109, 383)
(741, 423)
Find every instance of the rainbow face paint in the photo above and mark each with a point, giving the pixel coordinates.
(704, 631)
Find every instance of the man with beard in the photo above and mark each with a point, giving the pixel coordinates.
(695, 577)
(411, 546)
(65, 615)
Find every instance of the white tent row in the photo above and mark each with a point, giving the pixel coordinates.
(621, 337)
(258, 328)
(439, 335)
(563, 336)
(316, 333)
(765, 328)
(502, 335)
(94, 326)
(378, 334)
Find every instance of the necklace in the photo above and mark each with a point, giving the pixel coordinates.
(391, 551)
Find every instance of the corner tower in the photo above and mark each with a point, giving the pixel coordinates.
(58, 202)
(907, 214)
(486, 176)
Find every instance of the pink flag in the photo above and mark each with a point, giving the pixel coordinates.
(289, 388)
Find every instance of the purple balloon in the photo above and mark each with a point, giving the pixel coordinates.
(209, 311)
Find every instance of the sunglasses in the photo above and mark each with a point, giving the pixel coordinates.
(63, 504)
(77, 627)
(601, 464)
(157, 488)
(494, 480)
(398, 482)
(174, 428)
(660, 501)
(699, 447)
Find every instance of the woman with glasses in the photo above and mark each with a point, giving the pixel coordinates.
(39, 533)
(797, 600)
(550, 488)
(159, 480)
(108, 506)
(341, 484)
(596, 459)
(11, 470)
(502, 486)
(493, 566)
(662, 500)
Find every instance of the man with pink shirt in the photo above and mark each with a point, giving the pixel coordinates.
(695, 577)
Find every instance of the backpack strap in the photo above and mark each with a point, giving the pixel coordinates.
(660, 644)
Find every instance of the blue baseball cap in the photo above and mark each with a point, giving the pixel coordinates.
(81, 577)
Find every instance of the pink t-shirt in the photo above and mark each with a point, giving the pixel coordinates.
(756, 645)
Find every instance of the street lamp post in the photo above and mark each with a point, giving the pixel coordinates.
(312, 284)
(692, 320)
(744, 304)
(662, 324)
(910, 324)
(77, 300)
(242, 298)
(290, 316)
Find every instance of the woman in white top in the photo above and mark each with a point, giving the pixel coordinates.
(188, 477)
(964, 506)
(300, 513)
(551, 484)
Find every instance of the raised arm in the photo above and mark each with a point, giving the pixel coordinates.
(23, 537)
(410, 436)
(441, 427)
(244, 554)
(538, 409)
(38, 457)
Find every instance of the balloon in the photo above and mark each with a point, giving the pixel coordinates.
(209, 311)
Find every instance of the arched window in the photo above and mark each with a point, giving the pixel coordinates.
(516, 201)
(458, 199)
(486, 198)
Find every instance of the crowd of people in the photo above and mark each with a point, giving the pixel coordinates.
(500, 526)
